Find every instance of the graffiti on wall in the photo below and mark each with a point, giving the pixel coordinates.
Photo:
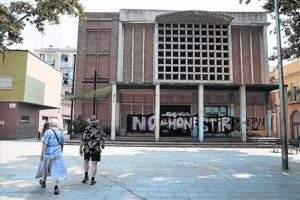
(185, 121)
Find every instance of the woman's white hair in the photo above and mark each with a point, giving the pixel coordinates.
(53, 122)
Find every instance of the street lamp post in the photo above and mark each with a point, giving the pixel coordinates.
(284, 150)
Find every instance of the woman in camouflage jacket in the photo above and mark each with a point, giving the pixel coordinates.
(93, 140)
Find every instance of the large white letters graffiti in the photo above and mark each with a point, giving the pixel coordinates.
(171, 121)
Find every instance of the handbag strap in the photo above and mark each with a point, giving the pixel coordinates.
(56, 136)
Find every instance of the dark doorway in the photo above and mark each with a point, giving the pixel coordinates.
(169, 113)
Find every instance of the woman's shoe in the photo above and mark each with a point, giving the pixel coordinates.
(42, 183)
(93, 182)
(85, 179)
(56, 190)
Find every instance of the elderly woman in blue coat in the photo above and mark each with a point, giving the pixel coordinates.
(51, 156)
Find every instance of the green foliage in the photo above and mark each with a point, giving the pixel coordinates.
(79, 125)
(13, 17)
(290, 20)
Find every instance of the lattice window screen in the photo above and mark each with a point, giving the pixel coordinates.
(193, 52)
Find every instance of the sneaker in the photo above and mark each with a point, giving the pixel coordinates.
(56, 190)
(42, 183)
(85, 179)
(93, 182)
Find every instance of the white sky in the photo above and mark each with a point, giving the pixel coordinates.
(65, 34)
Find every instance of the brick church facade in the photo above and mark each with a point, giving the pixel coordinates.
(196, 73)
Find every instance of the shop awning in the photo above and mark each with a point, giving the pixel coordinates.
(100, 94)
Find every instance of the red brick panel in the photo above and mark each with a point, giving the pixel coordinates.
(78, 108)
(138, 53)
(127, 54)
(90, 66)
(125, 110)
(186, 98)
(236, 61)
(176, 98)
(148, 109)
(91, 41)
(260, 112)
(205, 98)
(164, 98)
(138, 98)
(103, 113)
(104, 41)
(126, 98)
(137, 109)
(103, 65)
(149, 50)
(260, 99)
(249, 99)
(246, 54)
(256, 53)
(87, 109)
(214, 98)
(149, 97)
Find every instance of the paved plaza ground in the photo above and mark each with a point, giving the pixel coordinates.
(155, 173)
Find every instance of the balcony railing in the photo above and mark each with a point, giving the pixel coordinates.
(294, 98)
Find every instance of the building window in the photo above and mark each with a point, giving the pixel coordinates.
(294, 91)
(66, 79)
(64, 57)
(200, 50)
(6, 82)
(51, 62)
(42, 56)
(24, 119)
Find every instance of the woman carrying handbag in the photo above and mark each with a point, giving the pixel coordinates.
(51, 163)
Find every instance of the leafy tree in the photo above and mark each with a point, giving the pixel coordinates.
(290, 20)
(15, 15)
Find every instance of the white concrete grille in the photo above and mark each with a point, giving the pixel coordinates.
(193, 52)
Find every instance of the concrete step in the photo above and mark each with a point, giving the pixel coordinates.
(181, 144)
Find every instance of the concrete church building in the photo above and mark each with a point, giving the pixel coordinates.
(197, 74)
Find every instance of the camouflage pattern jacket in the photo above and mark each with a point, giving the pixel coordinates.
(93, 138)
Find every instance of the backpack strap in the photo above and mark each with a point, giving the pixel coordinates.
(56, 136)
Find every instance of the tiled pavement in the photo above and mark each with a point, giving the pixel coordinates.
(155, 173)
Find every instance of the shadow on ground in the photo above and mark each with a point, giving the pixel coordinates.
(161, 173)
